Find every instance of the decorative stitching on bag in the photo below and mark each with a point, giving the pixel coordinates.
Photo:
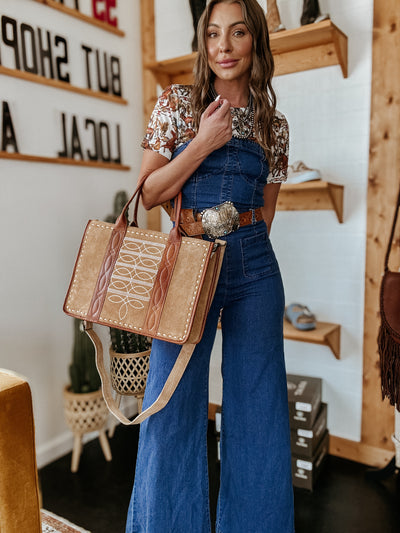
(100, 292)
(189, 314)
(134, 273)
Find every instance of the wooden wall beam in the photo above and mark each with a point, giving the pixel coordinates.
(149, 83)
(383, 184)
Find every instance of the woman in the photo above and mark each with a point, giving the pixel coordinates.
(227, 149)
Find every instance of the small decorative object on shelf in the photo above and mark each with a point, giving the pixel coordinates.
(197, 8)
(273, 17)
(311, 13)
(299, 172)
(84, 407)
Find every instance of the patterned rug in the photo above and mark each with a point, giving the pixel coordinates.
(52, 523)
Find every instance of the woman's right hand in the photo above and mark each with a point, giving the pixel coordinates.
(215, 128)
(166, 178)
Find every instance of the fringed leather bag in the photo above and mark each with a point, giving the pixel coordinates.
(389, 332)
(155, 284)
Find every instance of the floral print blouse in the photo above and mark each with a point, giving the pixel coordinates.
(171, 126)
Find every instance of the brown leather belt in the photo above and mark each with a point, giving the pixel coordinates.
(193, 226)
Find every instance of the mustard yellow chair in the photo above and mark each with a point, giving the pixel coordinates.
(19, 488)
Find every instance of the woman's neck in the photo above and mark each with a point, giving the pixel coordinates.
(236, 93)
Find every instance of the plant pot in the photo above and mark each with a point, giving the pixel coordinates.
(85, 412)
(129, 372)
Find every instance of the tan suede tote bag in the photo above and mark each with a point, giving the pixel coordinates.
(155, 284)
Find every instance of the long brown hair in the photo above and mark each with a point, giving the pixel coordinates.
(261, 73)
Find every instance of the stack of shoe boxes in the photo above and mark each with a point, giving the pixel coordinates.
(308, 425)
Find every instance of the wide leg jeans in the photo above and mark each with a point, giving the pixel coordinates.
(171, 479)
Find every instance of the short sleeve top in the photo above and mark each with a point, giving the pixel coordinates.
(171, 125)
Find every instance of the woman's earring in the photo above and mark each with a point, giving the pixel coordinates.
(197, 7)
(273, 18)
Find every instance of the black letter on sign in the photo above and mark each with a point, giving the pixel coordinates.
(8, 133)
(93, 156)
(118, 158)
(25, 28)
(75, 140)
(88, 51)
(104, 126)
(102, 88)
(11, 41)
(64, 152)
(62, 59)
(115, 76)
(45, 53)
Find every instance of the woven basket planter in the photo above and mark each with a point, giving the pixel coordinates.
(129, 372)
(85, 412)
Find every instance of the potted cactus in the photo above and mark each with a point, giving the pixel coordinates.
(129, 363)
(84, 407)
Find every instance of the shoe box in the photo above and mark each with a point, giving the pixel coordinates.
(306, 470)
(304, 395)
(304, 442)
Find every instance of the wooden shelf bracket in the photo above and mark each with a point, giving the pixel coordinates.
(325, 333)
(311, 195)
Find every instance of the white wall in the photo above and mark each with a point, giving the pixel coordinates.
(45, 207)
(322, 261)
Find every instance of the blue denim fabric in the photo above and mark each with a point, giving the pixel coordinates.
(171, 479)
(237, 172)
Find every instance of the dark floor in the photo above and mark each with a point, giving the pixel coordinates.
(344, 500)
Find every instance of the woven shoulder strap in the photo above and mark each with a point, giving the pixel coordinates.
(169, 387)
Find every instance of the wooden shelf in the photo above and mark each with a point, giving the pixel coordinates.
(325, 333)
(311, 195)
(308, 47)
(58, 84)
(81, 16)
(61, 161)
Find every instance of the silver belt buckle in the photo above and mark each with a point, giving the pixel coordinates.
(220, 220)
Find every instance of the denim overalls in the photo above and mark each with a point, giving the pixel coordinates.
(171, 480)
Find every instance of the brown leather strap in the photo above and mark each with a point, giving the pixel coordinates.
(392, 233)
(163, 278)
(169, 387)
(192, 226)
(106, 270)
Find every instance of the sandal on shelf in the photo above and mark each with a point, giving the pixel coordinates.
(300, 317)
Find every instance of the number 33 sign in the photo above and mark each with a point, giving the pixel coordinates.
(102, 11)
